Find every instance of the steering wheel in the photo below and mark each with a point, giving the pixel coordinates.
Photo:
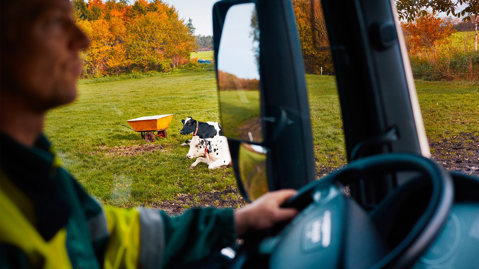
(333, 231)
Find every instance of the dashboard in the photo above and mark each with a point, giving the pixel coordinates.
(457, 246)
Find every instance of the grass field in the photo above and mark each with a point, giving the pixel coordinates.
(464, 41)
(205, 55)
(118, 167)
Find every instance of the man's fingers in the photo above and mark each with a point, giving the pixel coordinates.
(283, 195)
(286, 214)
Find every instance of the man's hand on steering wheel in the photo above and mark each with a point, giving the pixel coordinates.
(264, 212)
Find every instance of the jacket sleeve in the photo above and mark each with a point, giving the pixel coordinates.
(198, 233)
(150, 238)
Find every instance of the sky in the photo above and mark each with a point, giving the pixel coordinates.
(236, 51)
(199, 11)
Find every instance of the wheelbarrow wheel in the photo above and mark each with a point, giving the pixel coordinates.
(162, 133)
(149, 137)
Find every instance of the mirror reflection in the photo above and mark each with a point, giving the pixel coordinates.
(252, 168)
(238, 74)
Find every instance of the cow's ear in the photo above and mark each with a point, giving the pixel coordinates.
(183, 121)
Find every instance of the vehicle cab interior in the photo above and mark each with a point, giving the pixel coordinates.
(391, 205)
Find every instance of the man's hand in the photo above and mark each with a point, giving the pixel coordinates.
(264, 212)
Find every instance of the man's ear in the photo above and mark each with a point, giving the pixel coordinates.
(183, 121)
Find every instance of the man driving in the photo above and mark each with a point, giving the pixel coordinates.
(47, 218)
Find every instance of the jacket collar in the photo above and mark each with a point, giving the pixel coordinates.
(32, 170)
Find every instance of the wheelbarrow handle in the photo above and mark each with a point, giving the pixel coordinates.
(128, 127)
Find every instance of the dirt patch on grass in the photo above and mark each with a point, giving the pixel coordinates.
(130, 150)
(459, 153)
(250, 128)
(230, 197)
(456, 153)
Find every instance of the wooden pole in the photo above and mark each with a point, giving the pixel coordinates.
(475, 42)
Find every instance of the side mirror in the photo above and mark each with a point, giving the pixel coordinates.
(262, 95)
(250, 163)
(238, 74)
(238, 77)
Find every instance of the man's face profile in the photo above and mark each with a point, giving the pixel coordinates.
(41, 59)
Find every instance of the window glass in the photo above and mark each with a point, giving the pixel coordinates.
(328, 137)
(445, 65)
(146, 58)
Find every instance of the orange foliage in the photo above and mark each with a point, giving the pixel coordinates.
(228, 81)
(313, 36)
(425, 34)
(139, 37)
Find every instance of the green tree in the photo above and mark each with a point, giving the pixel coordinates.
(191, 28)
(410, 9)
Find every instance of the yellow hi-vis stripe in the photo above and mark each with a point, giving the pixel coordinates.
(124, 244)
(16, 228)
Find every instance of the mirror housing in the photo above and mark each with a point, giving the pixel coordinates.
(284, 106)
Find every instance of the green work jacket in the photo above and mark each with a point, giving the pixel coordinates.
(47, 220)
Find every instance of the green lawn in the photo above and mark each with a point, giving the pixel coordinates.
(449, 108)
(120, 168)
(101, 153)
(205, 55)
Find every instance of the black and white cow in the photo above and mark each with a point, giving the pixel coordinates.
(208, 129)
(212, 151)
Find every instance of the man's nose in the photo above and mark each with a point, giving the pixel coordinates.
(80, 40)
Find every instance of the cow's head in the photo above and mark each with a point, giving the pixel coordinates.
(197, 147)
(189, 126)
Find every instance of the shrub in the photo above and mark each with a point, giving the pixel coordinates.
(458, 66)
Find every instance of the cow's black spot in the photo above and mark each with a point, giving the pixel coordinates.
(216, 153)
(214, 150)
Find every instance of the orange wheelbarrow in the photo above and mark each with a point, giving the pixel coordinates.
(147, 126)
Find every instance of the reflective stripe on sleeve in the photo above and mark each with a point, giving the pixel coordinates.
(98, 227)
(152, 240)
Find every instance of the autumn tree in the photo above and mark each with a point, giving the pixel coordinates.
(467, 9)
(145, 35)
(425, 33)
(228, 81)
(313, 35)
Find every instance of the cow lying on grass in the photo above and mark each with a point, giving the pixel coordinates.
(212, 151)
(208, 129)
